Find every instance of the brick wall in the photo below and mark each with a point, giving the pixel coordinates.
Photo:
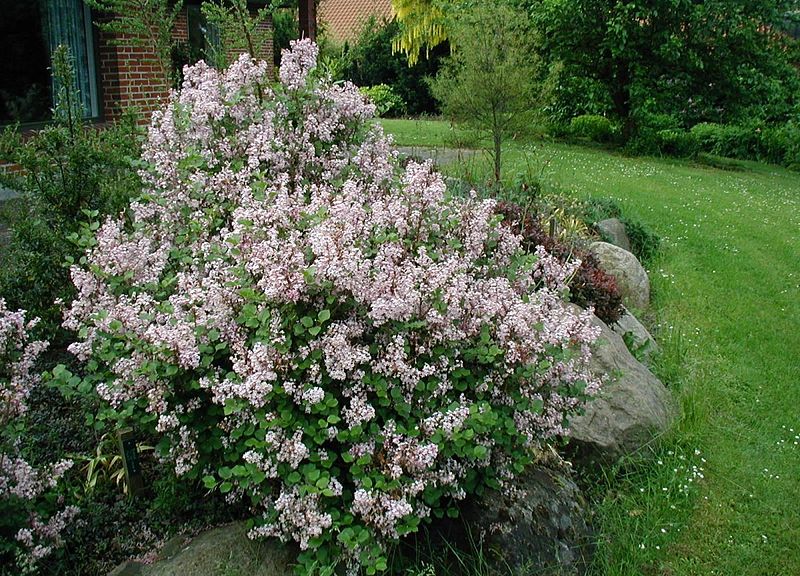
(130, 74)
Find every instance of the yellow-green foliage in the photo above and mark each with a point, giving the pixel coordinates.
(422, 26)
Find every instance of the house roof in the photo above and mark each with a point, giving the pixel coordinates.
(343, 19)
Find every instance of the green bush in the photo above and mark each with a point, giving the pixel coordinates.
(646, 138)
(592, 127)
(781, 144)
(574, 94)
(68, 169)
(659, 134)
(726, 140)
(387, 101)
(676, 142)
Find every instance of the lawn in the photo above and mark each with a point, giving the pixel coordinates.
(721, 494)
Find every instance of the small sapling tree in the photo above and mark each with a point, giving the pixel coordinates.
(489, 83)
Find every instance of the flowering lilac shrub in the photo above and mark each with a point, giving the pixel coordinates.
(31, 520)
(311, 328)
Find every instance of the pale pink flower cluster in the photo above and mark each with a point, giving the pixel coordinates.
(447, 422)
(299, 518)
(20, 482)
(297, 63)
(18, 356)
(43, 537)
(380, 510)
(257, 210)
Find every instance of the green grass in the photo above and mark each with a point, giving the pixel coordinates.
(427, 133)
(726, 310)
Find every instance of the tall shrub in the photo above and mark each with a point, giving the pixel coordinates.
(313, 329)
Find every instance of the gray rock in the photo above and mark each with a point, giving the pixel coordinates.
(632, 407)
(540, 529)
(226, 551)
(631, 277)
(635, 336)
(172, 547)
(128, 568)
(614, 230)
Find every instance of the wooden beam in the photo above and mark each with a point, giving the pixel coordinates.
(308, 19)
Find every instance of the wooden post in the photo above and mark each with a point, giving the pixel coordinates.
(130, 460)
(308, 19)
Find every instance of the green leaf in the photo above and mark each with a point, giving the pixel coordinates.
(324, 315)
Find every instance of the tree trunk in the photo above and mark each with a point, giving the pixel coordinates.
(498, 139)
(497, 134)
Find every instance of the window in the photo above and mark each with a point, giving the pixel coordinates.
(29, 31)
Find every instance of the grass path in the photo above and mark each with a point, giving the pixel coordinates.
(722, 495)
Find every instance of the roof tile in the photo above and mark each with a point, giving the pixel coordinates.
(344, 18)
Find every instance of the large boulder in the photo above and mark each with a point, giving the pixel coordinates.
(635, 335)
(539, 527)
(218, 552)
(631, 408)
(631, 277)
(614, 231)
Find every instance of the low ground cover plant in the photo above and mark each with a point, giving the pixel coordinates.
(645, 244)
(315, 331)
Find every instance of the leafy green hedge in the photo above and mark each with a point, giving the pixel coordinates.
(774, 144)
(593, 127)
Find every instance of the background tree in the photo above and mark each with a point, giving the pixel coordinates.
(719, 61)
(490, 81)
(422, 25)
(371, 61)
